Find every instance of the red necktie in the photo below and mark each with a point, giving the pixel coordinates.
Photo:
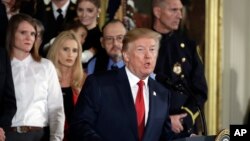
(140, 110)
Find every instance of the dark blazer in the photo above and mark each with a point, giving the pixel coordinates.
(105, 110)
(7, 95)
(4, 24)
(52, 28)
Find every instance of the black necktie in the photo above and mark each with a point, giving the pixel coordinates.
(59, 18)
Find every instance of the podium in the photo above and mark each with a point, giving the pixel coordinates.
(198, 138)
(223, 135)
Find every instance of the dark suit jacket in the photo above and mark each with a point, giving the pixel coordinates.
(7, 95)
(4, 24)
(105, 110)
(52, 28)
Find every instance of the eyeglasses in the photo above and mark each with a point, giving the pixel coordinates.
(110, 39)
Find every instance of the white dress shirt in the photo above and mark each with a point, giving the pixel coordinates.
(63, 8)
(38, 96)
(133, 80)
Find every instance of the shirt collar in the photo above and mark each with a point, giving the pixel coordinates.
(24, 62)
(63, 8)
(133, 80)
(119, 64)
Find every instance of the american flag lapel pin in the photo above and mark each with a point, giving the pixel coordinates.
(154, 93)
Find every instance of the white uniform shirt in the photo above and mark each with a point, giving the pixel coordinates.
(63, 8)
(38, 96)
(133, 80)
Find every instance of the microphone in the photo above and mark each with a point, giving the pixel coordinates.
(180, 86)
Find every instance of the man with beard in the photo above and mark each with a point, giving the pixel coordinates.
(111, 41)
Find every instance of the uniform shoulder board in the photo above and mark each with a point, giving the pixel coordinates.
(199, 52)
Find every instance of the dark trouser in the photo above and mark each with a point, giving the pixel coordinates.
(41, 135)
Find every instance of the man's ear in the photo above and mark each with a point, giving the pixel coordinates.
(157, 12)
(125, 56)
(101, 40)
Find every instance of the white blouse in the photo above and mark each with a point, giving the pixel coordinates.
(38, 96)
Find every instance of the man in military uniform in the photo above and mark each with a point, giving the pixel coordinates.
(179, 68)
(54, 17)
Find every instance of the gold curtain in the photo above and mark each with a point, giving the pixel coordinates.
(119, 15)
(213, 71)
(104, 4)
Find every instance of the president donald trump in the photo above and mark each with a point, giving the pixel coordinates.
(125, 104)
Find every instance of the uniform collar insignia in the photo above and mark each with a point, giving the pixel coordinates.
(154, 93)
(48, 8)
(72, 8)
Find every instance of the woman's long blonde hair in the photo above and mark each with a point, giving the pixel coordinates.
(78, 75)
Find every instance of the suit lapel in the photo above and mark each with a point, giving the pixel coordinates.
(127, 99)
(70, 12)
(152, 108)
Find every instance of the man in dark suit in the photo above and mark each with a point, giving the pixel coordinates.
(7, 95)
(179, 68)
(113, 106)
(55, 16)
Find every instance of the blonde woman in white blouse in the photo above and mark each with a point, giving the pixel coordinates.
(37, 89)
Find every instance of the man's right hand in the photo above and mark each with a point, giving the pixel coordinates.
(176, 122)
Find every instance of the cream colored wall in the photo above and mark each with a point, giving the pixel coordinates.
(235, 62)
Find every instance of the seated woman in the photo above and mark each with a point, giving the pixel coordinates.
(77, 27)
(65, 53)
